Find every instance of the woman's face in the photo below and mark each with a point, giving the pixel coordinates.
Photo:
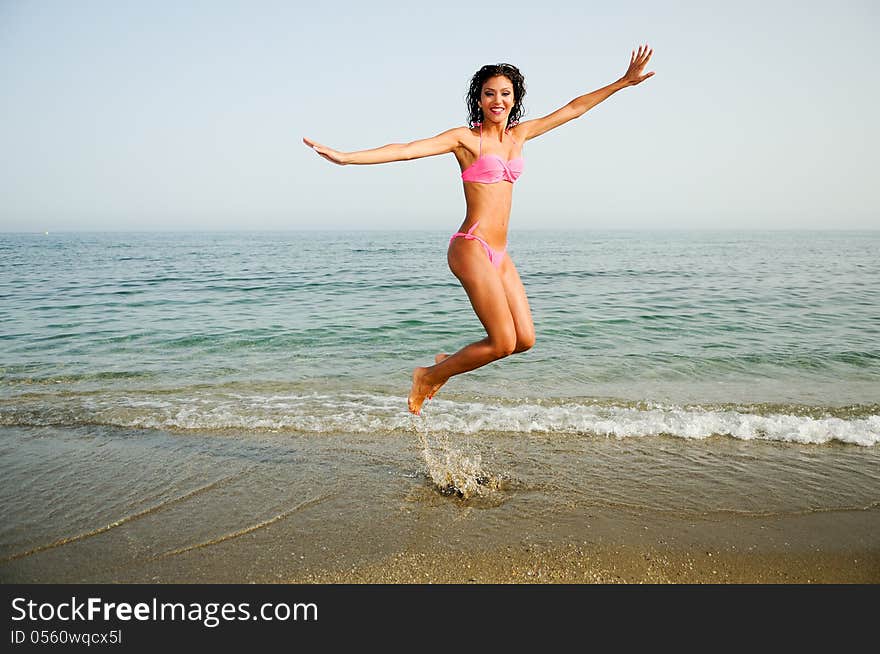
(496, 99)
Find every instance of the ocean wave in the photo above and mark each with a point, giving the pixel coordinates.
(204, 409)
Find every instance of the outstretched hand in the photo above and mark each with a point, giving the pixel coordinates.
(328, 153)
(637, 63)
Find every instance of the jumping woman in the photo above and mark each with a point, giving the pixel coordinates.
(489, 153)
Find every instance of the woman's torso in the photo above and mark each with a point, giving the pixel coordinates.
(488, 203)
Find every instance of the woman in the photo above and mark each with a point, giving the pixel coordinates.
(489, 153)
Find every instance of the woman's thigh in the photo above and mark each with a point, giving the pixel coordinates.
(518, 305)
(484, 287)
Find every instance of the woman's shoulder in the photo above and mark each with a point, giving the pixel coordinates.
(462, 136)
(457, 135)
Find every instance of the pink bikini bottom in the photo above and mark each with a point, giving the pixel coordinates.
(495, 256)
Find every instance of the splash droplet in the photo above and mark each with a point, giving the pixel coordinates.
(452, 470)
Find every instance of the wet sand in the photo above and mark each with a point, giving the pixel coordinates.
(703, 561)
(582, 564)
(618, 545)
(102, 505)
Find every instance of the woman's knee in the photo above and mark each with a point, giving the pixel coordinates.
(524, 342)
(503, 345)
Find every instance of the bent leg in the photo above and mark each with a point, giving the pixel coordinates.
(485, 290)
(518, 304)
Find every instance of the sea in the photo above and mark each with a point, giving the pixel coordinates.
(145, 372)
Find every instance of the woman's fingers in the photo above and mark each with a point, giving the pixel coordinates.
(639, 58)
(317, 147)
(312, 144)
(321, 150)
(644, 52)
(329, 154)
(646, 59)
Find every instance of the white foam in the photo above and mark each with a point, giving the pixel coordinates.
(371, 413)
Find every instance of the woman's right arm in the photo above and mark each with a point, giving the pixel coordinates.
(440, 144)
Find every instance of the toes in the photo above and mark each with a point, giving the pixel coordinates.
(411, 405)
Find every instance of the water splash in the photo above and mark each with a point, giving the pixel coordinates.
(452, 470)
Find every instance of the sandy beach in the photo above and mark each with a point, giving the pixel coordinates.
(146, 506)
(741, 561)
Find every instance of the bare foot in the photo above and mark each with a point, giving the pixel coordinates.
(437, 359)
(419, 391)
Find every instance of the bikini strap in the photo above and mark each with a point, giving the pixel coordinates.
(507, 130)
(473, 227)
(481, 141)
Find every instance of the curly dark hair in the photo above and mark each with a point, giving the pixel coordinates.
(475, 114)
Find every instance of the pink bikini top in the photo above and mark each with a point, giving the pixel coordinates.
(490, 168)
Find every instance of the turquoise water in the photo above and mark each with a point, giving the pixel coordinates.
(772, 335)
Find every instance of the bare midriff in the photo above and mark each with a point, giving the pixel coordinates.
(490, 204)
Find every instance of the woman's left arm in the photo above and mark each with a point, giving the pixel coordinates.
(529, 129)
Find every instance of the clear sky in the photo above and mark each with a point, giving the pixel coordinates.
(189, 115)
